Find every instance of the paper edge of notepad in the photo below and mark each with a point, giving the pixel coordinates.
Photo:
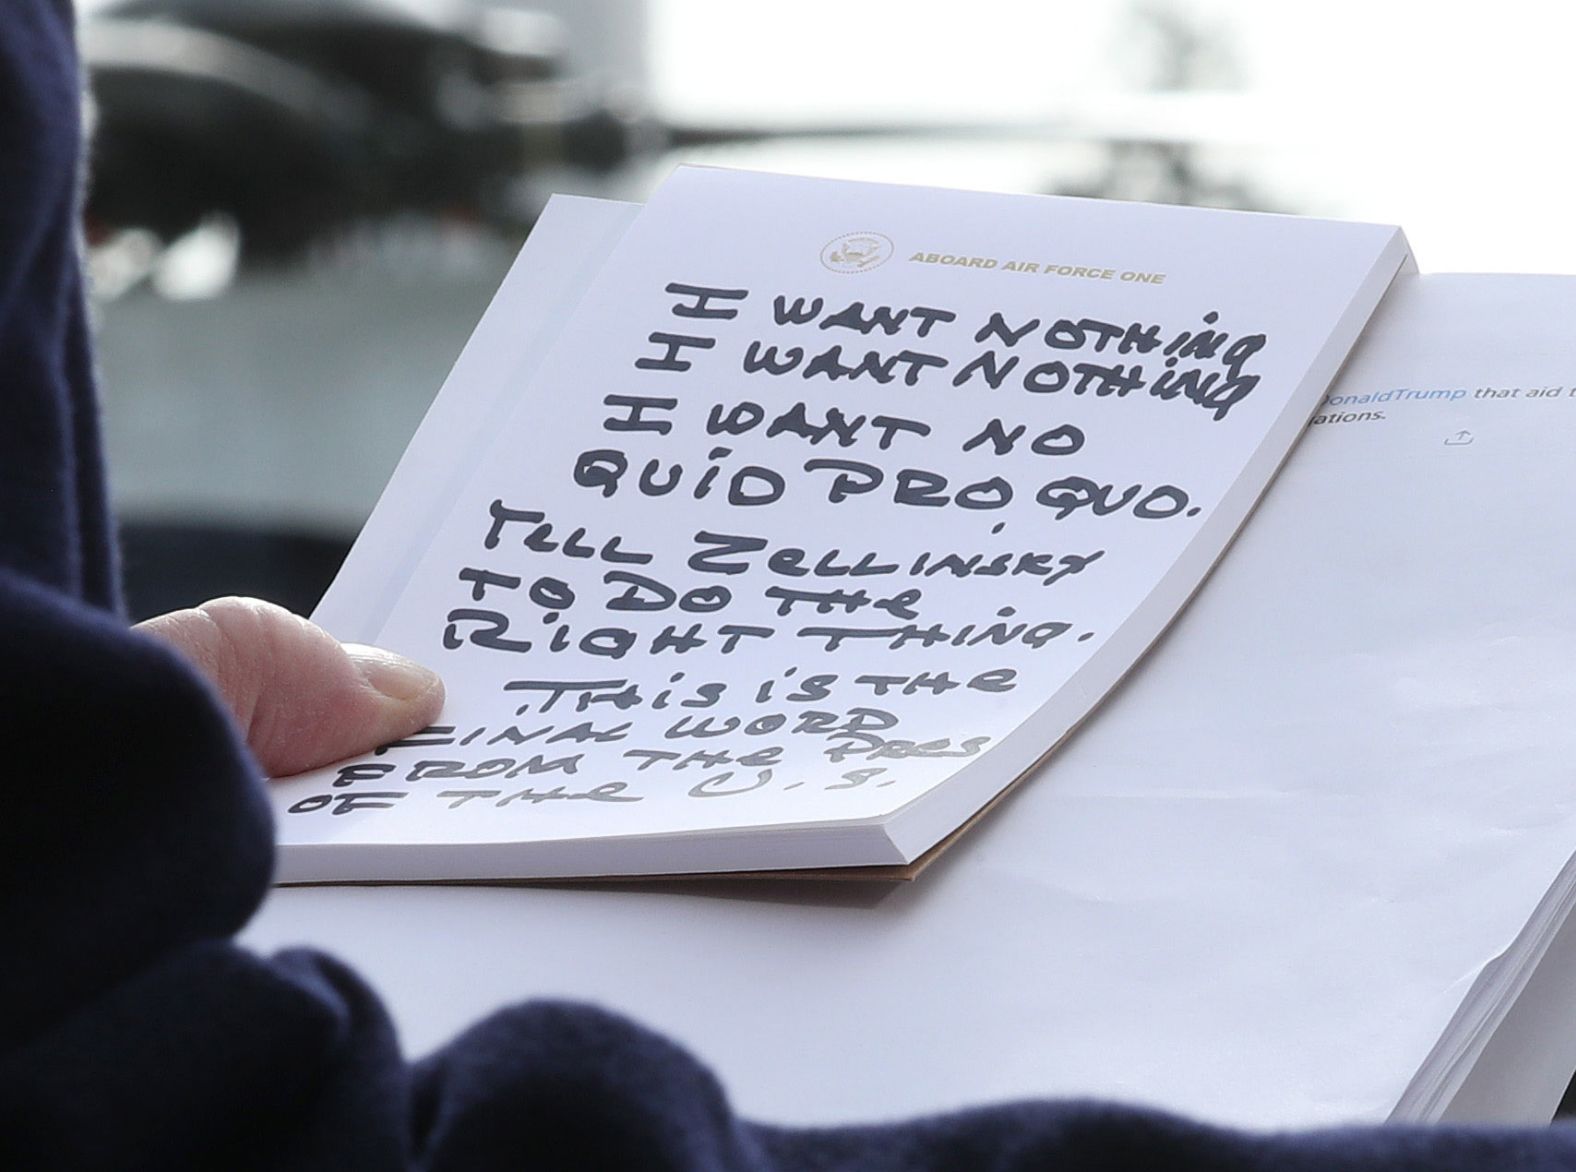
(572, 239)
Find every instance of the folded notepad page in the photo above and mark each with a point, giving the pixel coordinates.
(819, 512)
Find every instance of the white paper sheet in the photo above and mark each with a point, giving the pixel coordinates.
(1257, 887)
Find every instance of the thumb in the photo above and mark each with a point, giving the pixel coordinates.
(301, 698)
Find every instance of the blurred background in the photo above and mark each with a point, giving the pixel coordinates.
(299, 208)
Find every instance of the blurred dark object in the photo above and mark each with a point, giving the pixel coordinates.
(289, 119)
(294, 116)
(170, 566)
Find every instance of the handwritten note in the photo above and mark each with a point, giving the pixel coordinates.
(795, 523)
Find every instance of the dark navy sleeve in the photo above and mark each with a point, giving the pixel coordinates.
(135, 842)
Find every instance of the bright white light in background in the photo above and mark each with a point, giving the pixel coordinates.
(1450, 119)
(915, 60)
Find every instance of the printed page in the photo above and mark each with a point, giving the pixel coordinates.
(1274, 881)
(825, 489)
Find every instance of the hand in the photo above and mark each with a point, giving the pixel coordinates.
(301, 698)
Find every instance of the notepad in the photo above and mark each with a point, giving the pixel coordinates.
(784, 524)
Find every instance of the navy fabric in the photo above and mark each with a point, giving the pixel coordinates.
(134, 842)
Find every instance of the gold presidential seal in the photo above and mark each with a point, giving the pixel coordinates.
(857, 252)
